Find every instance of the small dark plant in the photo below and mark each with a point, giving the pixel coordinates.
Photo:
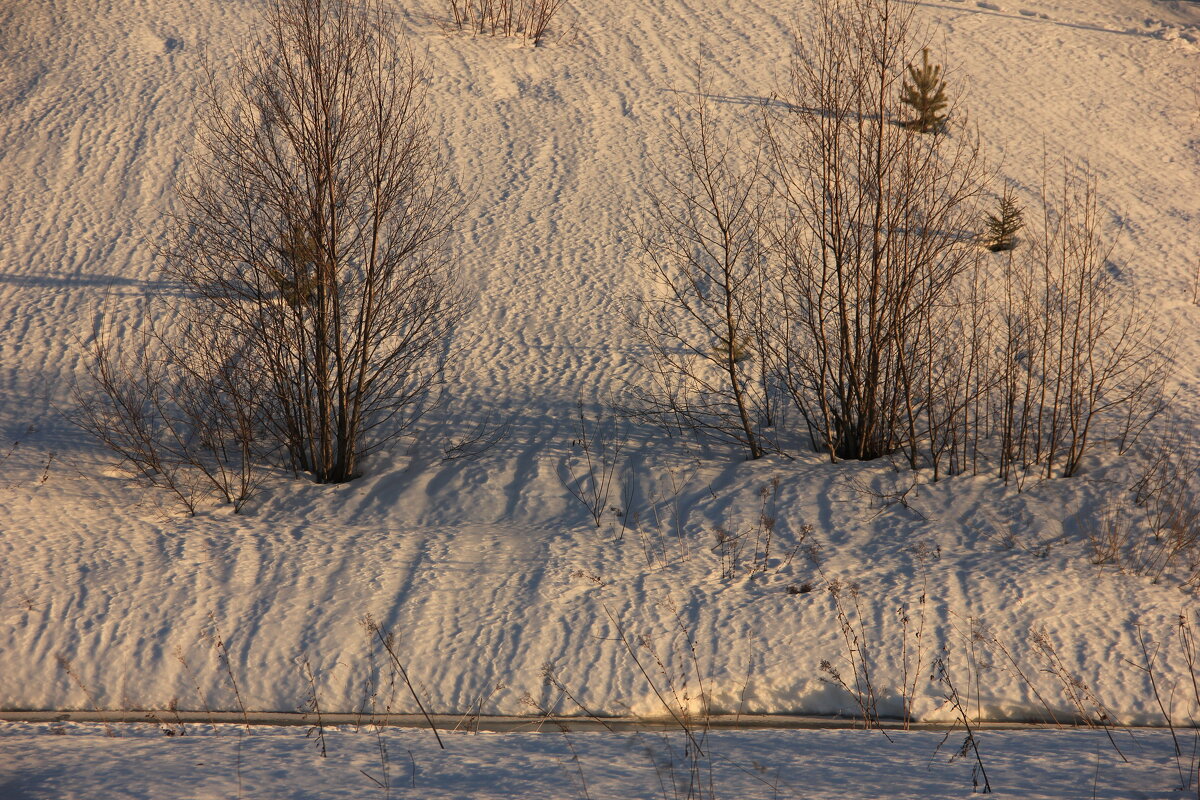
(599, 446)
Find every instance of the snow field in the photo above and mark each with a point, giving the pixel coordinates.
(482, 567)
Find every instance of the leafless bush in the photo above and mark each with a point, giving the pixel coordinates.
(703, 255)
(871, 239)
(547, 713)
(529, 19)
(729, 550)
(182, 422)
(750, 549)
(1156, 533)
(1077, 353)
(742, 550)
(1108, 535)
(833, 270)
(201, 698)
(311, 243)
(1169, 494)
(1176, 705)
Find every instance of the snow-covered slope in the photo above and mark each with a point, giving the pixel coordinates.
(486, 569)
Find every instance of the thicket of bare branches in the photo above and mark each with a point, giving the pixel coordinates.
(833, 274)
(1078, 358)
(529, 19)
(873, 239)
(185, 424)
(310, 242)
(701, 248)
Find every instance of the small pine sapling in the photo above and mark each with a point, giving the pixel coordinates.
(741, 349)
(1002, 227)
(926, 94)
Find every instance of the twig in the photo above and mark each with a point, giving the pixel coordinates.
(223, 656)
(386, 640)
(315, 706)
(943, 675)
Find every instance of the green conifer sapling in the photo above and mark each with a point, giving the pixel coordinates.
(1002, 228)
(926, 94)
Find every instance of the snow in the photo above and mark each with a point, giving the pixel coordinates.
(220, 761)
(485, 568)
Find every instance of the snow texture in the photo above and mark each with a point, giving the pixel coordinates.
(82, 762)
(486, 569)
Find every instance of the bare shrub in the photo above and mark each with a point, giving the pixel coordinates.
(832, 269)
(1169, 494)
(310, 240)
(529, 19)
(1079, 357)
(749, 548)
(871, 239)
(1154, 533)
(184, 424)
(702, 253)
(1108, 535)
